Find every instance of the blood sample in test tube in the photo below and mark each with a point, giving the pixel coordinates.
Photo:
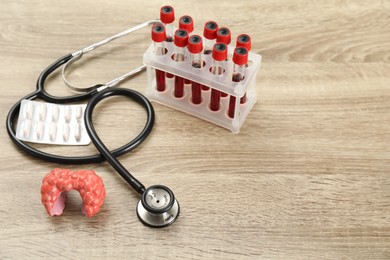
(240, 59)
(224, 35)
(180, 40)
(210, 34)
(195, 47)
(158, 37)
(187, 23)
(219, 55)
(167, 17)
(244, 40)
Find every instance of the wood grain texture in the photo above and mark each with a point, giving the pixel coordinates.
(307, 178)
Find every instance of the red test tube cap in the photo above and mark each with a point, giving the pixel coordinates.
(224, 35)
(158, 32)
(244, 40)
(240, 56)
(220, 51)
(210, 30)
(167, 14)
(186, 22)
(181, 38)
(195, 44)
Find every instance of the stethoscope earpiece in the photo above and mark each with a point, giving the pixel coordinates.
(158, 207)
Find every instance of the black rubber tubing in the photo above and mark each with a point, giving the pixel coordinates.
(92, 95)
(104, 151)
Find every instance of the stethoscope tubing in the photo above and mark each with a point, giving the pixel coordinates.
(148, 215)
(104, 151)
(42, 94)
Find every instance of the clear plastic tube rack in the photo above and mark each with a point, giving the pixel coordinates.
(204, 76)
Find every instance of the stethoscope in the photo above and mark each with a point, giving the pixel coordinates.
(157, 206)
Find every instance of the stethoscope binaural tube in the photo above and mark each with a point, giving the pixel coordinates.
(79, 54)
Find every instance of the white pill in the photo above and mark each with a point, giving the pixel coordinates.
(66, 132)
(40, 130)
(29, 110)
(54, 113)
(53, 131)
(79, 112)
(42, 111)
(77, 132)
(68, 113)
(27, 128)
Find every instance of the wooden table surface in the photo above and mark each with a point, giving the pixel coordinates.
(307, 177)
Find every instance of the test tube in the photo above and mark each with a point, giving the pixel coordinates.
(210, 34)
(158, 37)
(240, 59)
(180, 40)
(224, 35)
(186, 22)
(167, 17)
(244, 40)
(195, 47)
(219, 55)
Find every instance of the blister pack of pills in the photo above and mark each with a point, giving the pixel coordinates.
(49, 123)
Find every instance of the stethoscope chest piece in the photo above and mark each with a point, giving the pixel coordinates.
(158, 207)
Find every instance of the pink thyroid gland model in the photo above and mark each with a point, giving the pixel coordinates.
(57, 183)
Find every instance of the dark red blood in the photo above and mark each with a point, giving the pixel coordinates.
(160, 80)
(179, 87)
(187, 81)
(215, 99)
(205, 88)
(196, 93)
(232, 106)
